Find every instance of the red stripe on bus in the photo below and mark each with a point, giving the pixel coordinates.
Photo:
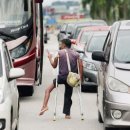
(25, 60)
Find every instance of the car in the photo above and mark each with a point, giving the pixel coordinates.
(113, 96)
(65, 30)
(71, 30)
(46, 37)
(78, 27)
(84, 35)
(90, 67)
(9, 97)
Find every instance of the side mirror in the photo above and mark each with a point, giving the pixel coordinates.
(38, 1)
(63, 32)
(98, 56)
(16, 73)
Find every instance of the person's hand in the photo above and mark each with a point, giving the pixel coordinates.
(49, 55)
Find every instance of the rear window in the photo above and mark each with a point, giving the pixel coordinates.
(84, 37)
(122, 48)
(96, 43)
(77, 31)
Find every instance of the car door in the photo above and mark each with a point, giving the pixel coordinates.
(104, 71)
(101, 78)
(12, 84)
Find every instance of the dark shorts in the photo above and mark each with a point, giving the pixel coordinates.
(59, 81)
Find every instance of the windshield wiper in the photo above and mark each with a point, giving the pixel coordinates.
(7, 35)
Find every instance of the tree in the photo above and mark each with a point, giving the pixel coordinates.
(109, 10)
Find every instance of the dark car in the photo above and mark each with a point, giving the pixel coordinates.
(65, 31)
(72, 30)
(78, 27)
(90, 67)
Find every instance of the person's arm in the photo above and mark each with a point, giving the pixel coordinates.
(80, 68)
(53, 62)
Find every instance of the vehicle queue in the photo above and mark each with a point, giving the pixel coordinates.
(105, 54)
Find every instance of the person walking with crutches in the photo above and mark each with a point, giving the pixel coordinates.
(62, 76)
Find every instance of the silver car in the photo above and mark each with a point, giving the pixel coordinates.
(113, 98)
(90, 67)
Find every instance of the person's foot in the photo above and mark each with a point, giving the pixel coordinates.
(67, 117)
(43, 110)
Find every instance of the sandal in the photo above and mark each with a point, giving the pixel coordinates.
(43, 110)
(67, 117)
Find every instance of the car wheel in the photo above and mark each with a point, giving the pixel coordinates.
(100, 117)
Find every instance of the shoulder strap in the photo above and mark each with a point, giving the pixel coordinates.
(78, 66)
(68, 61)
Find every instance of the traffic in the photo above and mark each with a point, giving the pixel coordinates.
(28, 29)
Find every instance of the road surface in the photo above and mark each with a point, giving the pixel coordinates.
(30, 106)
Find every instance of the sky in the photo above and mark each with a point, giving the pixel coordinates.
(48, 2)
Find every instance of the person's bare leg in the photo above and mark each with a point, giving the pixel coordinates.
(46, 99)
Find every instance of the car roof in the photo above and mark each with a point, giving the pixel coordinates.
(101, 33)
(96, 28)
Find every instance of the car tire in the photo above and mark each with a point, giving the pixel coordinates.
(100, 117)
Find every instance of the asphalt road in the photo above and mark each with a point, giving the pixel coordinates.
(30, 106)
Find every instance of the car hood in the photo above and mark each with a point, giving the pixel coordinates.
(122, 72)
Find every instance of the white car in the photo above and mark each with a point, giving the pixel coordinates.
(9, 97)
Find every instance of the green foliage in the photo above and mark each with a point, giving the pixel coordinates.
(109, 10)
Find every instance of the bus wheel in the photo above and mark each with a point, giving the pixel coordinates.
(25, 91)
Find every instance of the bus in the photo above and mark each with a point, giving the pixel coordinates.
(21, 27)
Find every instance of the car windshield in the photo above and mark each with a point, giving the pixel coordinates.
(96, 43)
(70, 28)
(77, 31)
(122, 48)
(84, 37)
(14, 12)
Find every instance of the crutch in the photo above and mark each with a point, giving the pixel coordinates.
(56, 94)
(78, 88)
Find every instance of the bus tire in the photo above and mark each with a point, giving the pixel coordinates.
(25, 91)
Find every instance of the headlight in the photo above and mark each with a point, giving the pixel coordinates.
(117, 86)
(1, 97)
(89, 66)
(20, 50)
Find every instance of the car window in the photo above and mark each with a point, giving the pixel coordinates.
(63, 28)
(108, 42)
(84, 37)
(70, 28)
(96, 43)
(122, 48)
(107, 46)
